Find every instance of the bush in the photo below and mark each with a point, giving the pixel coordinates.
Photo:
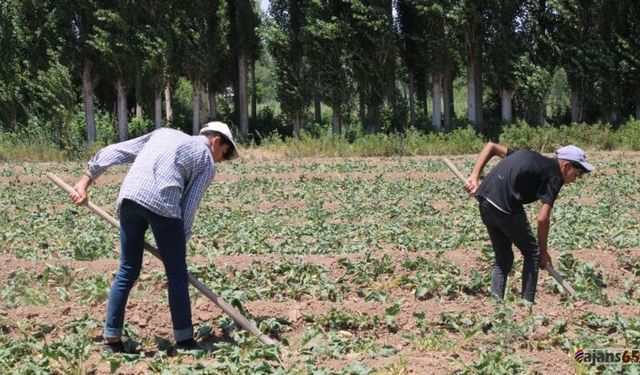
(522, 136)
(464, 141)
(459, 141)
(378, 145)
(105, 129)
(38, 140)
(412, 142)
(597, 136)
(139, 126)
(627, 137)
(268, 125)
(33, 142)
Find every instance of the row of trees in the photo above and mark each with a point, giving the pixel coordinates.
(129, 48)
(338, 50)
(396, 59)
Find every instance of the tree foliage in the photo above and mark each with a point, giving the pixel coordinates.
(379, 65)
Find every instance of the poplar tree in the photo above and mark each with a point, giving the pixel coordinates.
(326, 46)
(286, 42)
(372, 43)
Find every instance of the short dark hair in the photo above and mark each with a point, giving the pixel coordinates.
(578, 166)
(223, 141)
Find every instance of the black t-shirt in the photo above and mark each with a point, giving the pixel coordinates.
(520, 178)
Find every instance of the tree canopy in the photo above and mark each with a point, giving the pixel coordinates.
(376, 66)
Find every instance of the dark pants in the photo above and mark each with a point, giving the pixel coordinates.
(505, 230)
(170, 239)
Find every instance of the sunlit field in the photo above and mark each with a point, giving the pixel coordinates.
(354, 265)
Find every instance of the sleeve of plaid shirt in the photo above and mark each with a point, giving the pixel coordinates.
(191, 200)
(115, 154)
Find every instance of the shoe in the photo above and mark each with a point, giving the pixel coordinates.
(189, 345)
(112, 348)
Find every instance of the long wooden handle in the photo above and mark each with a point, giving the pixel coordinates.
(561, 281)
(548, 267)
(455, 170)
(227, 308)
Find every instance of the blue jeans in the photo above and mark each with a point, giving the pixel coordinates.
(171, 243)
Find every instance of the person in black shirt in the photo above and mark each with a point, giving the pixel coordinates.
(520, 178)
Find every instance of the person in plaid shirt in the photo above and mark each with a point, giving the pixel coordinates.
(162, 190)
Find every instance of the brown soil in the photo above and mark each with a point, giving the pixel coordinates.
(112, 179)
(151, 315)
(148, 310)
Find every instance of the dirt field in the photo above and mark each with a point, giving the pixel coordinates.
(357, 266)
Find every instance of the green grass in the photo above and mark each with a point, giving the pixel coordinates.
(411, 143)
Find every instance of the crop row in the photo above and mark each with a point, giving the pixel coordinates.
(371, 278)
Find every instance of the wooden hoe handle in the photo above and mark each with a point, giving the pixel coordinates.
(453, 169)
(227, 308)
(549, 268)
(565, 284)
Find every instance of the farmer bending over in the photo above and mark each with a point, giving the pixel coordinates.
(520, 178)
(170, 173)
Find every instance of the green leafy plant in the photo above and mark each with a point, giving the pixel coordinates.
(494, 362)
(340, 319)
(584, 278)
(431, 278)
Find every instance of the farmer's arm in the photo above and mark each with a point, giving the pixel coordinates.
(544, 222)
(79, 193)
(191, 200)
(117, 153)
(490, 150)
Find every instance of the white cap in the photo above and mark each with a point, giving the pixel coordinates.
(576, 154)
(222, 128)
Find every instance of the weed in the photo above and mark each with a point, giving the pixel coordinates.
(94, 289)
(339, 319)
(495, 362)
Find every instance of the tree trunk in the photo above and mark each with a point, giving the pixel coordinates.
(11, 111)
(168, 106)
(576, 106)
(242, 94)
(335, 121)
(123, 131)
(317, 103)
(452, 109)
(157, 109)
(448, 99)
(506, 108)
(638, 107)
(473, 36)
(373, 118)
(479, 99)
(13, 114)
(437, 101)
(213, 107)
(254, 93)
(297, 124)
(362, 110)
(540, 116)
(138, 92)
(197, 100)
(317, 109)
(412, 99)
(425, 101)
(471, 94)
(89, 110)
(612, 116)
(474, 93)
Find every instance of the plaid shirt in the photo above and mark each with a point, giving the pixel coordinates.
(170, 173)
